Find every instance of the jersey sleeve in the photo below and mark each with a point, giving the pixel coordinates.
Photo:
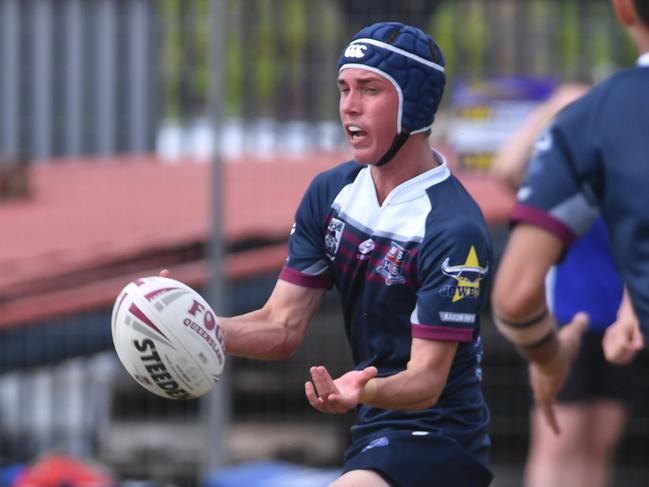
(307, 264)
(558, 191)
(454, 271)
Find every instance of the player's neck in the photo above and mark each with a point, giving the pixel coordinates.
(640, 35)
(643, 44)
(413, 159)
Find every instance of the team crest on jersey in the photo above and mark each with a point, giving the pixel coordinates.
(392, 266)
(467, 275)
(333, 237)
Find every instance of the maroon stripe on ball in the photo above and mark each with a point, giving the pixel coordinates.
(119, 304)
(150, 296)
(137, 312)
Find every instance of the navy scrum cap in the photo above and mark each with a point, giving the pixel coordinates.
(411, 60)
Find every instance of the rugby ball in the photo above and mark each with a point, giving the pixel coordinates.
(167, 338)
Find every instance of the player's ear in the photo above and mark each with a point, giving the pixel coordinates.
(625, 11)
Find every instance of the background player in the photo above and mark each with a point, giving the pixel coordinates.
(596, 392)
(593, 156)
(408, 251)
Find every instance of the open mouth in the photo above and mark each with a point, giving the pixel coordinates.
(355, 132)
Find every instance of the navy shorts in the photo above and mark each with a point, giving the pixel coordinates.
(417, 459)
(592, 377)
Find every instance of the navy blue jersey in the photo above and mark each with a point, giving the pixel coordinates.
(595, 157)
(587, 280)
(416, 266)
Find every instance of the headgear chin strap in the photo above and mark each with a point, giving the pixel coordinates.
(411, 60)
(397, 143)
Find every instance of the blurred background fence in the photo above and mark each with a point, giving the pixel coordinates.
(104, 83)
(108, 76)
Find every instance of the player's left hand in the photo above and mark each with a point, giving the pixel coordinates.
(547, 381)
(622, 341)
(336, 396)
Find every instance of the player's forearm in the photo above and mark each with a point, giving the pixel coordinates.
(531, 329)
(255, 335)
(520, 310)
(274, 331)
(524, 319)
(407, 390)
(534, 335)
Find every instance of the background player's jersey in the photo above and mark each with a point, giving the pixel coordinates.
(417, 265)
(586, 280)
(596, 155)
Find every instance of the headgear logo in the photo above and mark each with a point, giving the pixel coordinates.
(355, 51)
(467, 275)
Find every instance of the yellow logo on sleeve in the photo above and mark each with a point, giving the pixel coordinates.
(467, 275)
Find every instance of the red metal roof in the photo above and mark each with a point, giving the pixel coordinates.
(85, 215)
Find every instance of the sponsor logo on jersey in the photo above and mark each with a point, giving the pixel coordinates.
(543, 143)
(356, 51)
(467, 275)
(392, 265)
(365, 249)
(333, 237)
(457, 317)
(524, 193)
(382, 441)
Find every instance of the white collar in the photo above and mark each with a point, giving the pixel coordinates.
(414, 187)
(643, 60)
